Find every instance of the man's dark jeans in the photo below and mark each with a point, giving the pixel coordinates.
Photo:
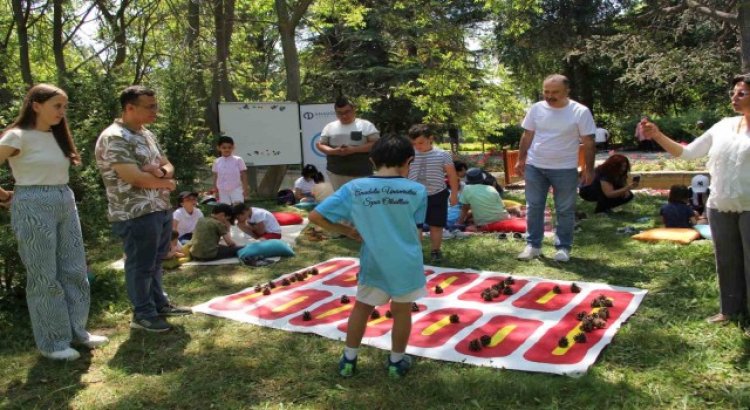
(146, 241)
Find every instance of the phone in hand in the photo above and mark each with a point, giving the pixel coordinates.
(356, 136)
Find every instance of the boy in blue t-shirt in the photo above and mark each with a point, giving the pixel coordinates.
(385, 209)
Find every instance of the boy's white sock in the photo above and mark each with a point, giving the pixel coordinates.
(350, 352)
(396, 357)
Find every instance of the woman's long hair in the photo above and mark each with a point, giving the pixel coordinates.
(26, 119)
(613, 168)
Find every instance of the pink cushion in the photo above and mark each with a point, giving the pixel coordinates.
(287, 218)
(508, 225)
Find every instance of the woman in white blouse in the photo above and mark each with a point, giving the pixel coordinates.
(727, 145)
(40, 149)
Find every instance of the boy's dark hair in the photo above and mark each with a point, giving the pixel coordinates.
(420, 130)
(460, 165)
(391, 151)
(238, 209)
(679, 194)
(225, 209)
(130, 95)
(342, 102)
(224, 140)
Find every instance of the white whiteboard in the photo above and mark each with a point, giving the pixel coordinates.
(265, 133)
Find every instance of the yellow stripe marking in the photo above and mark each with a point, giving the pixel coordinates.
(448, 282)
(546, 298)
(559, 351)
(289, 304)
(431, 329)
(501, 334)
(352, 278)
(333, 311)
(248, 297)
(374, 322)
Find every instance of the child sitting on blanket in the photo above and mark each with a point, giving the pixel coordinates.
(257, 222)
(209, 231)
(186, 216)
(482, 204)
(385, 208)
(677, 213)
(304, 185)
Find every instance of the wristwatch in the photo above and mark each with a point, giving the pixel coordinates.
(164, 170)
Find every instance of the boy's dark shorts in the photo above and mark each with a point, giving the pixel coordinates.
(437, 209)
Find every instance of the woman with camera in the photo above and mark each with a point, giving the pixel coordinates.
(610, 187)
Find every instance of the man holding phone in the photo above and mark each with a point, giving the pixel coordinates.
(346, 143)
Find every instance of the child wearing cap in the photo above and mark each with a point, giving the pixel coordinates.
(186, 216)
(699, 194)
(481, 202)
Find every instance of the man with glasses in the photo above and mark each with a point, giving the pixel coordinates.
(548, 156)
(138, 178)
(346, 143)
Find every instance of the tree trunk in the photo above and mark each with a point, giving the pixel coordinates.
(288, 21)
(20, 16)
(743, 23)
(220, 85)
(57, 43)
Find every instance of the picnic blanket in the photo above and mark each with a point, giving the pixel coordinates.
(289, 234)
(461, 320)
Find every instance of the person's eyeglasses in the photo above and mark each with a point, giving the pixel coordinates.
(739, 94)
(344, 112)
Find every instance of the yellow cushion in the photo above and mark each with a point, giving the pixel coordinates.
(511, 204)
(679, 235)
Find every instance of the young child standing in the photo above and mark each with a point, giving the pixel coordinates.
(230, 174)
(429, 168)
(385, 208)
(257, 222)
(677, 213)
(209, 231)
(186, 216)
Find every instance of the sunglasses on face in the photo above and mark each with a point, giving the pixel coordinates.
(739, 94)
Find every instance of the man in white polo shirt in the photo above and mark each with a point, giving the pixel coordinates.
(346, 143)
(548, 156)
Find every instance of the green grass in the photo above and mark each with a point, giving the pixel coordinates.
(666, 356)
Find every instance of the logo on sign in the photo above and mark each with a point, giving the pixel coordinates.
(308, 115)
(314, 148)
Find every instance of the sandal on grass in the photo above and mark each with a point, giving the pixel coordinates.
(718, 318)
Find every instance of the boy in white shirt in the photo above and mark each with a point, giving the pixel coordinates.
(186, 216)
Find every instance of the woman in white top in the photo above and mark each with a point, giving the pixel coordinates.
(39, 147)
(727, 145)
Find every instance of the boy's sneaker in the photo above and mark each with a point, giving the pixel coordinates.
(562, 255)
(529, 253)
(65, 354)
(172, 310)
(436, 256)
(347, 367)
(155, 324)
(400, 368)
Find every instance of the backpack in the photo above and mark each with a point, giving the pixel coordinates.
(285, 197)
